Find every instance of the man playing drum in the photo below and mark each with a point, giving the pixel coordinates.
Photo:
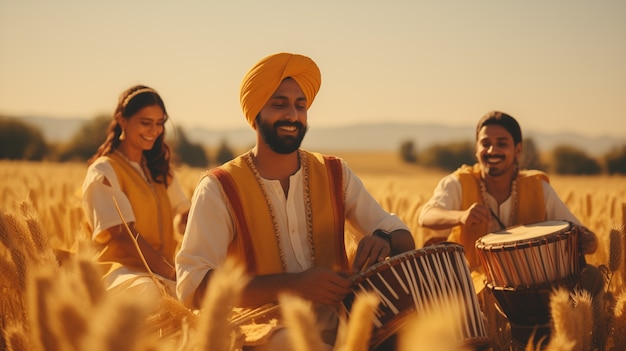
(494, 194)
(280, 210)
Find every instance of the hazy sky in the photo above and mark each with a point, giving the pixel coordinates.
(556, 65)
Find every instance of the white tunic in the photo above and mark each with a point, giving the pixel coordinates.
(210, 227)
(447, 195)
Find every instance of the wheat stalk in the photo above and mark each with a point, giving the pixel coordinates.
(89, 275)
(356, 334)
(214, 330)
(16, 338)
(40, 240)
(615, 249)
(9, 232)
(583, 309)
(562, 315)
(9, 275)
(170, 316)
(300, 320)
(619, 322)
(612, 206)
(119, 325)
(558, 342)
(434, 329)
(42, 330)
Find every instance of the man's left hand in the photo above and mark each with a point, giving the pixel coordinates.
(371, 250)
(588, 241)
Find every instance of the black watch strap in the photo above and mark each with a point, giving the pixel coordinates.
(383, 234)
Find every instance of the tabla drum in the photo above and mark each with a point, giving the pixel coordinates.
(530, 255)
(420, 281)
(522, 265)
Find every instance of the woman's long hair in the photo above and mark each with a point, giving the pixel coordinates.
(130, 102)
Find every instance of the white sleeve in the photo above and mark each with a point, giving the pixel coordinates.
(363, 213)
(556, 210)
(178, 199)
(209, 231)
(99, 200)
(447, 196)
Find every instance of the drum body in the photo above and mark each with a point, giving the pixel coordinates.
(530, 255)
(522, 265)
(420, 281)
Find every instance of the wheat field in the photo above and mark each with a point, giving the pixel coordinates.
(52, 298)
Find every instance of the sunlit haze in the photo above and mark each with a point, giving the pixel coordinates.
(554, 65)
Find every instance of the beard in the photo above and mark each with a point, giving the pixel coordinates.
(281, 144)
(497, 170)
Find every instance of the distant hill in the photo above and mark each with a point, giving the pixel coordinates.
(363, 137)
(55, 129)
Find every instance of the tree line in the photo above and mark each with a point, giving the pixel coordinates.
(562, 159)
(22, 141)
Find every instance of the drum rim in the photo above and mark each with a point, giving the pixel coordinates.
(526, 243)
(443, 247)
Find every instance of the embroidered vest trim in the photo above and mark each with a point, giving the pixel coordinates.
(255, 244)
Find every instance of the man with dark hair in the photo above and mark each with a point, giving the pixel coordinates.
(494, 193)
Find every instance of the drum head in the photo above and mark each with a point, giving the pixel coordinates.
(523, 233)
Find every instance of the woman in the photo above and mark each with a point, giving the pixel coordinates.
(131, 173)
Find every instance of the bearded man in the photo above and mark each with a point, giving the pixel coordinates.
(282, 211)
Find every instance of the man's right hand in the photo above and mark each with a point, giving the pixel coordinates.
(322, 285)
(475, 214)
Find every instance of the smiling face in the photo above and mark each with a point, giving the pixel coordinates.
(496, 151)
(282, 123)
(142, 130)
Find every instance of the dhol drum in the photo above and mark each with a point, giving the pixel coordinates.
(421, 281)
(523, 264)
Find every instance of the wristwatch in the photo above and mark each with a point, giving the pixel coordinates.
(383, 234)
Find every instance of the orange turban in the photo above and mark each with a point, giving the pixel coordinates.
(264, 78)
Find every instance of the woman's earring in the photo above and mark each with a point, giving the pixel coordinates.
(122, 135)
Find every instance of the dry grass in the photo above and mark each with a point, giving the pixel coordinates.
(53, 300)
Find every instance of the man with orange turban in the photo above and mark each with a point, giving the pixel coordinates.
(281, 211)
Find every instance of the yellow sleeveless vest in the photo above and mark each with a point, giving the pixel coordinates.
(153, 219)
(530, 206)
(255, 244)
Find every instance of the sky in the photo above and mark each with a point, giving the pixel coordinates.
(556, 66)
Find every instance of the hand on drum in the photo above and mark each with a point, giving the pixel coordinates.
(476, 214)
(371, 250)
(588, 241)
(322, 285)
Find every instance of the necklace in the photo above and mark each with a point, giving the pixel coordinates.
(307, 205)
(512, 196)
(142, 164)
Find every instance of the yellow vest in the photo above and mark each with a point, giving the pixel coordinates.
(530, 206)
(255, 244)
(153, 219)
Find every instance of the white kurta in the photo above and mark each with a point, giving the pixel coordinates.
(210, 226)
(447, 195)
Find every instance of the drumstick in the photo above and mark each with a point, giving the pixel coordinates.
(502, 226)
